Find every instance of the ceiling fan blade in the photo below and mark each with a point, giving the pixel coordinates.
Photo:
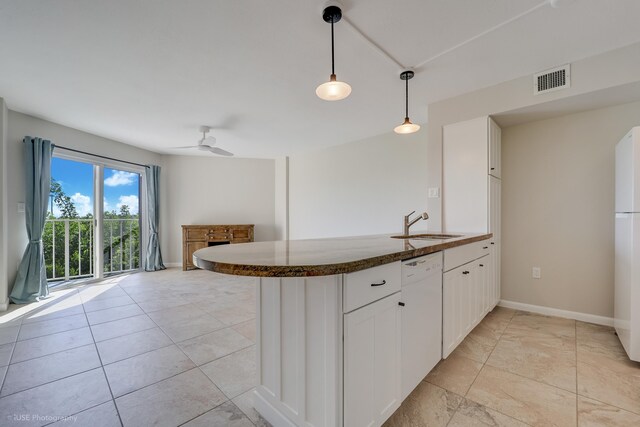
(186, 146)
(220, 151)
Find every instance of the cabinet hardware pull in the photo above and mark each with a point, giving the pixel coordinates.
(493, 243)
(493, 169)
(401, 304)
(485, 247)
(384, 282)
(465, 272)
(481, 265)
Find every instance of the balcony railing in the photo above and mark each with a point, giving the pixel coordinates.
(69, 247)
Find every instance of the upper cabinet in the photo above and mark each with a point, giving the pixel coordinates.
(471, 156)
(495, 148)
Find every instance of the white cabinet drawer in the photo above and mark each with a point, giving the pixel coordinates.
(365, 286)
(460, 255)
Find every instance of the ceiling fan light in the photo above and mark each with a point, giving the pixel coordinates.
(406, 127)
(333, 90)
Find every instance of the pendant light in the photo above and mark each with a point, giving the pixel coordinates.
(333, 90)
(407, 126)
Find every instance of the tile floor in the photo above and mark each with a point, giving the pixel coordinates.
(519, 369)
(178, 348)
(165, 349)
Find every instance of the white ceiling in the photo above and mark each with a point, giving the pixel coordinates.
(149, 72)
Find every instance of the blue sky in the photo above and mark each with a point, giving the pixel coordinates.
(76, 178)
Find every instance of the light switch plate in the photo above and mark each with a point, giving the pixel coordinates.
(536, 272)
(20, 207)
(434, 192)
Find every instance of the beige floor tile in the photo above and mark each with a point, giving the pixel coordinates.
(48, 344)
(495, 324)
(118, 328)
(546, 358)
(191, 328)
(427, 406)
(131, 345)
(233, 315)
(98, 292)
(234, 374)
(176, 314)
(455, 373)
(612, 381)
(57, 399)
(212, 346)
(549, 325)
(38, 329)
(54, 312)
(225, 415)
(105, 303)
(140, 371)
(479, 344)
(6, 350)
(523, 399)
(104, 415)
(115, 313)
(162, 303)
(247, 329)
(599, 340)
(171, 402)
(592, 413)
(35, 372)
(9, 334)
(472, 414)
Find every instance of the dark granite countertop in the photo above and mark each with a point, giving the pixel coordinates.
(319, 257)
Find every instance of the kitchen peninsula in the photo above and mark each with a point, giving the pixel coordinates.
(331, 314)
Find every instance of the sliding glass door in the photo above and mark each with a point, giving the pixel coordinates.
(121, 221)
(78, 244)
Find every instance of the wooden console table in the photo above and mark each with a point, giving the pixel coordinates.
(196, 237)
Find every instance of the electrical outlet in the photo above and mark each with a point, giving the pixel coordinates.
(536, 272)
(434, 192)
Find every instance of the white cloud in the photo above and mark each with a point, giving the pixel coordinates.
(131, 201)
(118, 178)
(83, 204)
(105, 205)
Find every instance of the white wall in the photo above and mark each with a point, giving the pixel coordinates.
(558, 209)
(359, 188)
(21, 125)
(4, 273)
(215, 190)
(281, 199)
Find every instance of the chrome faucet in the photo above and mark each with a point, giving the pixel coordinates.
(408, 223)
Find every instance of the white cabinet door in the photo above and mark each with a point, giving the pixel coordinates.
(421, 330)
(495, 138)
(495, 206)
(454, 308)
(372, 364)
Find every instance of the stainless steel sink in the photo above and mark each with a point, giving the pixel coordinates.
(430, 236)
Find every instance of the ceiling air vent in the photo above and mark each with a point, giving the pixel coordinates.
(553, 79)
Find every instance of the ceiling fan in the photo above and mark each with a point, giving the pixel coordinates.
(207, 143)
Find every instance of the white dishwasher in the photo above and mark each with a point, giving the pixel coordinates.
(421, 301)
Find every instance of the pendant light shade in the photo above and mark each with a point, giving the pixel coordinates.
(406, 126)
(333, 90)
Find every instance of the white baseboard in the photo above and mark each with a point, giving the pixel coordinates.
(4, 306)
(172, 264)
(269, 413)
(583, 317)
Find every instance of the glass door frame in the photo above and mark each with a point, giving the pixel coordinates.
(99, 164)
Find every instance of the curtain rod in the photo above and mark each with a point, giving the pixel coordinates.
(98, 155)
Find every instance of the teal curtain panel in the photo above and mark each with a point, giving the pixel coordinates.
(31, 280)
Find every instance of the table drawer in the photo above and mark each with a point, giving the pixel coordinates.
(365, 286)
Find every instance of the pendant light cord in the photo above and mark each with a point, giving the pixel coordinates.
(333, 71)
(406, 98)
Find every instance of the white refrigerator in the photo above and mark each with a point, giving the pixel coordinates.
(627, 243)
